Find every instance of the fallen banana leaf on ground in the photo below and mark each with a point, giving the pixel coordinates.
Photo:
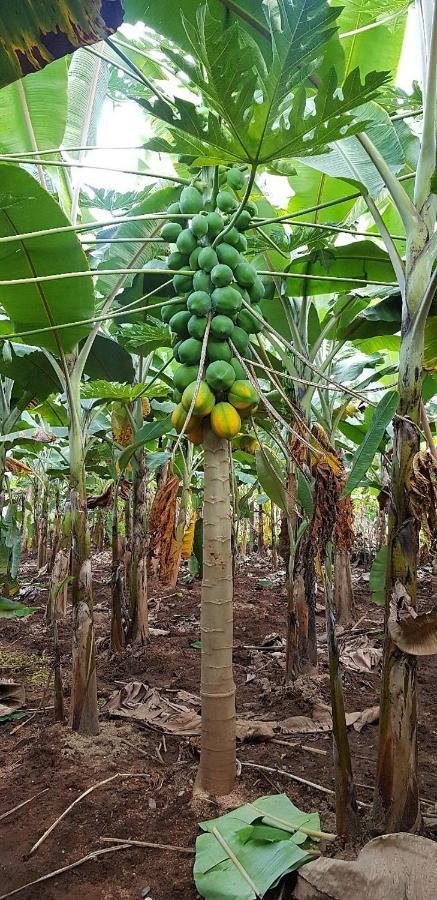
(12, 697)
(145, 705)
(13, 609)
(388, 868)
(359, 655)
(181, 715)
(246, 852)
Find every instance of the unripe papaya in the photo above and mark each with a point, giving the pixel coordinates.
(191, 201)
(204, 401)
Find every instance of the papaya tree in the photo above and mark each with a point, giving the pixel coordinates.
(240, 131)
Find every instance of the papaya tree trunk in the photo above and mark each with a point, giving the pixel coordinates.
(216, 773)
(84, 711)
(138, 606)
(343, 591)
(396, 805)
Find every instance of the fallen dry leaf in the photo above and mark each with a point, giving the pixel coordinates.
(360, 719)
(146, 705)
(417, 635)
(390, 867)
(359, 655)
(12, 697)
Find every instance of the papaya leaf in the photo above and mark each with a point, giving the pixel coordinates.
(260, 108)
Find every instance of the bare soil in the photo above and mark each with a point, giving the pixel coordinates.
(40, 754)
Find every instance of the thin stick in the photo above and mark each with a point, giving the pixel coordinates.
(311, 832)
(20, 805)
(74, 865)
(317, 787)
(147, 844)
(236, 862)
(78, 799)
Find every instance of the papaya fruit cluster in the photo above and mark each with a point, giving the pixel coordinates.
(222, 289)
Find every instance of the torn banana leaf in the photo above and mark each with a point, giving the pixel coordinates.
(246, 852)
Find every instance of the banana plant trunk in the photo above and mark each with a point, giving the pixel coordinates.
(274, 540)
(346, 809)
(118, 582)
(396, 802)
(56, 532)
(343, 590)
(216, 775)
(138, 603)
(43, 529)
(84, 710)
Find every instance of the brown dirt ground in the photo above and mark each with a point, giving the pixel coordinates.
(159, 808)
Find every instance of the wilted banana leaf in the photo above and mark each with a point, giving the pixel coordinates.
(35, 32)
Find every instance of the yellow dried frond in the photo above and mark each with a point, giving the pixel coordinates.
(188, 541)
(120, 425)
(17, 466)
(145, 406)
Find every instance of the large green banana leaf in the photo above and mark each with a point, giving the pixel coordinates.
(35, 110)
(25, 207)
(35, 32)
(30, 370)
(381, 43)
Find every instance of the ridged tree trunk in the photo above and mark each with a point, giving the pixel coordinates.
(343, 591)
(84, 710)
(138, 605)
(216, 773)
